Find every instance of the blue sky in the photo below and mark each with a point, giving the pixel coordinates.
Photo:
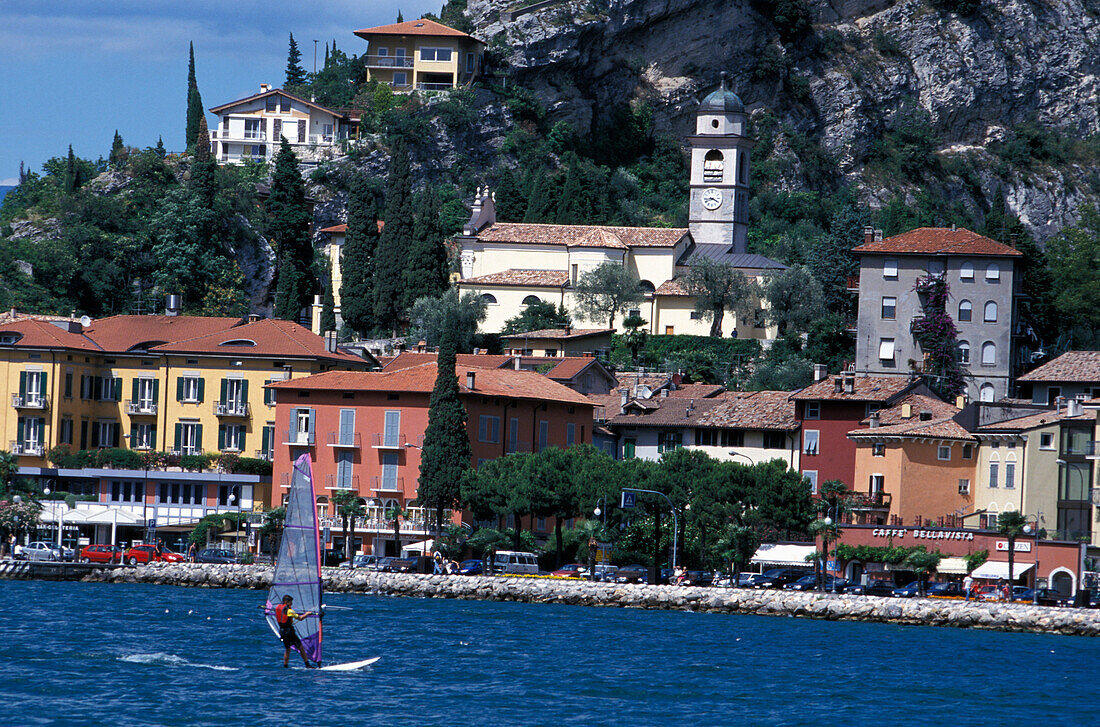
(72, 71)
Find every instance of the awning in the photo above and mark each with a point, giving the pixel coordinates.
(886, 349)
(775, 554)
(88, 516)
(424, 547)
(952, 567)
(994, 569)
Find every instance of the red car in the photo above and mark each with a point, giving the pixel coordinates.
(147, 553)
(573, 570)
(101, 554)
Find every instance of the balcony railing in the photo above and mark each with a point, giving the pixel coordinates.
(514, 447)
(389, 441)
(853, 284)
(30, 401)
(27, 449)
(418, 522)
(231, 408)
(265, 454)
(347, 440)
(386, 484)
(870, 501)
(140, 407)
(434, 87)
(299, 439)
(336, 482)
(389, 61)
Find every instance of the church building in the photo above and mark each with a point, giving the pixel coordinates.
(512, 265)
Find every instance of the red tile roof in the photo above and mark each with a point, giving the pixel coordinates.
(938, 241)
(865, 388)
(507, 383)
(423, 26)
(621, 238)
(571, 366)
(122, 333)
(268, 337)
(44, 334)
(674, 286)
(344, 228)
(521, 277)
(696, 391)
(767, 410)
(893, 424)
(1071, 366)
(408, 359)
(1031, 421)
(561, 333)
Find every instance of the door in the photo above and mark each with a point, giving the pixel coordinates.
(399, 56)
(391, 437)
(277, 130)
(347, 426)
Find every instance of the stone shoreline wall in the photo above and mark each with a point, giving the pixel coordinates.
(908, 611)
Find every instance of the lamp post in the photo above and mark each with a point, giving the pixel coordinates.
(235, 497)
(675, 519)
(1035, 578)
(598, 512)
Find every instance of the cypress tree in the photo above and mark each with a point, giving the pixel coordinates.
(159, 149)
(511, 202)
(295, 74)
(72, 172)
(446, 454)
(396, 238)
(117, 148)
(194, 102)
(204, 183)
(426, 259)
(357, 260)
(328, 306)
(400, 17)
(326, 57)
(288, 231)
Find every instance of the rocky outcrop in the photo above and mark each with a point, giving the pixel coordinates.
(916, 612)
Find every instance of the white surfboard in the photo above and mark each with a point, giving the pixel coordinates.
(351, 665)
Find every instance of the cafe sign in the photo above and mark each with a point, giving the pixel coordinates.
(1022, 546)
(921, 534)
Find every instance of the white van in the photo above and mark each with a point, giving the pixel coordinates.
(512, 562)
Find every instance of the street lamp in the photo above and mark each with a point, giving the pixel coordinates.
(235, 497)
(1035, 578)
(598, 512)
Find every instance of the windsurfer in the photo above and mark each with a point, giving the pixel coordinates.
(286, 616)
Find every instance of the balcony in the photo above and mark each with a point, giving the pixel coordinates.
(853, 284)
(862, 501)
(389, 61)
(265, 454)
(388, 484)
(343, 440)
(294, 438)
(27, 449)
(136, 408)
(30, 401)
(522, 447)
(336, 482)
(389, 441)
(434, 87)
(417, 522)
(231, 408)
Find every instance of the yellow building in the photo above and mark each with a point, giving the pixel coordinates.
(421, 55)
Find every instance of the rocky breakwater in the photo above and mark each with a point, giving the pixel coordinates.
(915, 612)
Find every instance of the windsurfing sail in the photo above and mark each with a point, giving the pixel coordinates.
(298, 570)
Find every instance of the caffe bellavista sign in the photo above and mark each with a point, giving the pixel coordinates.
(921, 534)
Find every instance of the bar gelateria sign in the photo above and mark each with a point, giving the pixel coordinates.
(920, 534)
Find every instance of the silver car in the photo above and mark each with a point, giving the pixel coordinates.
(41, 550)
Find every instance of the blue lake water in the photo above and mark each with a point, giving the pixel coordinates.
(98, 654)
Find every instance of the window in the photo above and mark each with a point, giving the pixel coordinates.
(105, 433)
(966, 271)
(143, 436)
(301, 132)
(189, 438)
(629, 448)
(991, 312)
(889, 307)
(1074, 481)
(65, 432)
(389, 471)
(992, 272)
(810, 439)
(712, 167)
(1010, 475)
(964, 487)
(470, 59)
(400, 78)
(110, 388)
(707, 437)
(284, 105)
(442, 55)
(668, 441)
(544, 434)
(890, 268)
(181, 493)
(813, 410)
(943, 452)
(125, 491)
(775, 440)
(391, 434)
(759, 318)
(68, 384)
(994, 470)
(488, 429)
(252, 129)
(695, 315)
(344, 467)
(968, 451)
(269, 394)
(257, 150)
(964, 353)
(231, 437)
(513, 434)
(966, 311)
(230, 495)
(886, 349)
(878, 449)
(985, 393)
(811, 480)
(935, 266)
(302, 426)
(189, 389)
(989, 354)
(877, 484)
(489, 298)
(30, 434)
(532, 300)
(271, 103)
(570, 434)
(267, 442)
(1046, 440)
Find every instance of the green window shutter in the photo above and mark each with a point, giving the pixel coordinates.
(269, 394)
(179, 389)
(240, 440)
(116, 440)
(133, 438)
(225, 388)
(20, 429)
(22, 384)
(83, 435)
(42, 385)
(156, 391)
(244, 392)
(202, 389)
(179, 436)
(221, 433)
(198, 438)
(41, 425)
(265, 439)
(134, 390)
(117, 388)
(153, 438)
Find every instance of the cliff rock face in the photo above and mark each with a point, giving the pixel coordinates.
(842, 83)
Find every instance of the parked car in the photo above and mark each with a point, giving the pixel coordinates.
(950, 589)
(515, 562)
(697, 578)
(147, 553)
(404, 565)
(571, 570)
(777, 577)
(101, 554)
(216, 555)
(810, 583)
(41, 550)
(870, 588)
(384, 563)
(360, 561)
(634, 573)
(470, 568)
(988, 593)
(1051, 597)
(607, 573)
(909, 590)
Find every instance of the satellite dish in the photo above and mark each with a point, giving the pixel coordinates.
(85, 321)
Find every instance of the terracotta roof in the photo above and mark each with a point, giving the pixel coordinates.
(663, 413)
(941, 426)
(344, 228)
(653, 381)
(1031, 421)
(13, 315)
(487, 382)
(769, 410)
(407, 359)
(561, 333)
(1071, 366)
(865, 388)
(696, 391)
(620, 238)
(423, 26)
(268, 337)
(939, 241)
(570, 366)
(122, 333)
(919, 403)
(520, 277)
(279, 91)
(44, 334)
(673, 286)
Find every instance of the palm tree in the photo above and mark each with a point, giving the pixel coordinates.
(395, 513)
(348, 506)
(273, 528)
(1011, 525)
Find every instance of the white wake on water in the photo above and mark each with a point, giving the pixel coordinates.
(160, 658)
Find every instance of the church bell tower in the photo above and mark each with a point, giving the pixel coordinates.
(718, 210)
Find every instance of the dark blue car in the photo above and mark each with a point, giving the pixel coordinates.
(470, 568)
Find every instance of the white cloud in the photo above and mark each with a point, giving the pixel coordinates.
(9, 182)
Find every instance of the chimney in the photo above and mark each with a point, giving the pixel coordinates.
(470, 380)
(516, 363)
(253, 317)
(1073, 407)
(421, 346)
(878, 235)
(868, 234)
(906, 411)
(849, 384)
(265, 87)
(821, 372)
(954, 227)
(330, 341)
(172, 305)
(838, 385)
(874, 420)
(664, 393)
(623, 394)
(1058, 402)
(13, 314)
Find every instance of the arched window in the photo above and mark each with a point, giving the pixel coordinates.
(529, 300)
(646, 286)
(743, 168)
(713, 163)
(991, 312)
(986, 392)
(964, 353)
(966, 311)
(992, 271)
(966, 272)
(489, 298)
(989, 354)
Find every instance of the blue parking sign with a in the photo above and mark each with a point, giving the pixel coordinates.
(628, 500)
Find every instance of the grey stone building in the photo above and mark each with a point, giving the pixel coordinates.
(981, 279)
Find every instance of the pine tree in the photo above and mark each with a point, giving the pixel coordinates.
(117, 148)
(295, 74)
(204, 183)
(396, 239)
(159, 149)
(511, 202)
(426, 259)
(288, 231)
(357, 261)
(72, 172)
(446, 454)
(194, 102)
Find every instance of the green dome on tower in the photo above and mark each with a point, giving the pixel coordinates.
(723, 100)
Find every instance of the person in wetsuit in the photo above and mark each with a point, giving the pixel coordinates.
(285, 616)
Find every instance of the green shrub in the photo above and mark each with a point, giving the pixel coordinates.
(119, 459)
(252, 466)
(197, 462)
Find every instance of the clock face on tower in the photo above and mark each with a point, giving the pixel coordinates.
(712, 198)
